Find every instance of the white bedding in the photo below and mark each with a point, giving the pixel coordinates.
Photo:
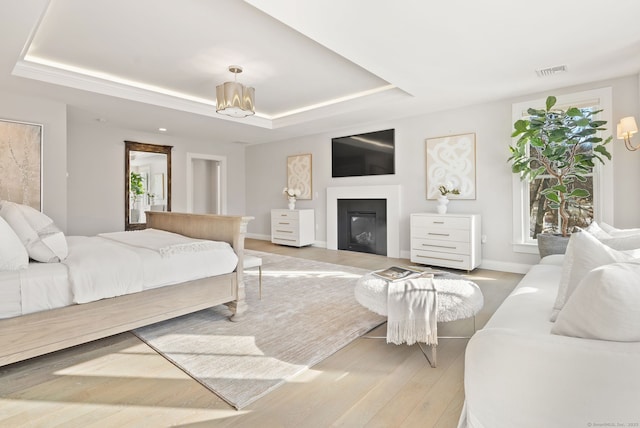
(99, 267)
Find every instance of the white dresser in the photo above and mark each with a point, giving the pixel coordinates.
(446, 240)
(292, 227)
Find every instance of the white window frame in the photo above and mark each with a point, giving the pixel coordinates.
(602, 174)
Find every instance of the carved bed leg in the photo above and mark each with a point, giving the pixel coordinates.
(238, 307)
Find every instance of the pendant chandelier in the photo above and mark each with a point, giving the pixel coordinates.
(233, 98)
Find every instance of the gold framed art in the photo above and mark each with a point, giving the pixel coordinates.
(299, 175)
(451, 161)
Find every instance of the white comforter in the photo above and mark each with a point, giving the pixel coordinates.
(105, 266)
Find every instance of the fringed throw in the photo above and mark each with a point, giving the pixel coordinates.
(412, 307)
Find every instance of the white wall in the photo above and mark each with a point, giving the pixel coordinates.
(53, 118)
(96, 173)
(266, 171)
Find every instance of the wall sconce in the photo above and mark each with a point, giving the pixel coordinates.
(626, 128)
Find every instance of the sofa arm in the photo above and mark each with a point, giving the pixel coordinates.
(544, 380)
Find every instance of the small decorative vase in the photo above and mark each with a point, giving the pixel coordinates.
(292, 202)
(442, 204)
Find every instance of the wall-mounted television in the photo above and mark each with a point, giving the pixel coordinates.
(372, 153)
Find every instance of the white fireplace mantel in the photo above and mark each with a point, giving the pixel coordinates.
(389, 192)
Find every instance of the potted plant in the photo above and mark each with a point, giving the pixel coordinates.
(136, 186)
(562, 144)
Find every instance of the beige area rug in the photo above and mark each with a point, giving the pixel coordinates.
(308, 311)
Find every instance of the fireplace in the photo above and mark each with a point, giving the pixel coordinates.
(389, 192)
(362, 225)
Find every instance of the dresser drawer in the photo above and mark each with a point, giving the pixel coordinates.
(285, 215)
(284, 222)
(456, 261)
(454, 247)
(455, 235)
(282, 231)
(444, 222)
(285, 240)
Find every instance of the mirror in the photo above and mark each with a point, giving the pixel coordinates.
(147, 182)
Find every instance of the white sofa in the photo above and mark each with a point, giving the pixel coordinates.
(520, 374)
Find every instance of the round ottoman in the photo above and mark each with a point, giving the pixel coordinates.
(458, 298)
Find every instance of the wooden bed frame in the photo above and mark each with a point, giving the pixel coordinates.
(39, 333)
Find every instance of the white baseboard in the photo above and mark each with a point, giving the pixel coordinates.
(258, 236)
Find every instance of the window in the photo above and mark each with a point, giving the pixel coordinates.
(531, 210)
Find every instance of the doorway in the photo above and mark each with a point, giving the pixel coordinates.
(206, 184)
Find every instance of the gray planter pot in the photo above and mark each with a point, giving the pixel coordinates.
(552, 244)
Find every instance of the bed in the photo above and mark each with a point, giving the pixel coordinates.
(81, 316)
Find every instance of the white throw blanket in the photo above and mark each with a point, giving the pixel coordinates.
(412, 311)
(163, 242)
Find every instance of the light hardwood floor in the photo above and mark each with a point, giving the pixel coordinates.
(121, 382)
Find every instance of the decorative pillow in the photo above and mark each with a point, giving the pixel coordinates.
(595, 229)
(43, 240)
(618, 232)
(584, 253)
(605, 305)
(13, 255)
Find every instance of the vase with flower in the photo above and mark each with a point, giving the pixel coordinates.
(291, 194)
(443, 200)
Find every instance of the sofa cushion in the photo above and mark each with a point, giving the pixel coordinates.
(605, 305)
(13, 255)
(40, 236)
(584, 253)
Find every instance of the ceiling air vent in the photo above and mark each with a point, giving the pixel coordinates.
(544, 72)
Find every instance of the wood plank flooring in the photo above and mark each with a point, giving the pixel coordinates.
(121, 382)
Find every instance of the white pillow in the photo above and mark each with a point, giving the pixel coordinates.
(43, 240)
(605, 305)
(618, 232)
(595, 229)
(584, 253)
(13, 255)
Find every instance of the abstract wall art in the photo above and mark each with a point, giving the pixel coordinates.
(451, 161)
(21, 163)
(299, 175)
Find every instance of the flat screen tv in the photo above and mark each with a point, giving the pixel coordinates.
(372, 153)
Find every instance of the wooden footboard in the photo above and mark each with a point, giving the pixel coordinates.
(39, 333)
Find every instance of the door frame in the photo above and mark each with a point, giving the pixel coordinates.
(222, 182)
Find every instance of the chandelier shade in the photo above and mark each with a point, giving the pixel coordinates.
(233, 98)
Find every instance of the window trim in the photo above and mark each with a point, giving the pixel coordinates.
(603, 174)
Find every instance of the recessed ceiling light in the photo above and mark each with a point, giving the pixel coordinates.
(162, 129)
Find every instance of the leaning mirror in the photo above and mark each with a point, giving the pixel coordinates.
(147, 182)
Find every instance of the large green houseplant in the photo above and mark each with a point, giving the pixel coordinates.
(562, 144)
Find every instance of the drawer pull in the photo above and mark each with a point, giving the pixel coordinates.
(439, 246)
(437, 234)
(284, 231)
(283, 222)
(439, 258)
(438, 222)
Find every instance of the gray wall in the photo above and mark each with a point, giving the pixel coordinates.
(266, 171)
(96, 173)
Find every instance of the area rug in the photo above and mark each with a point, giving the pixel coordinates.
(307, 312)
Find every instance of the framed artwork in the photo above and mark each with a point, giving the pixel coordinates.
(21, 163)
(299, 175)
(451, 161)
